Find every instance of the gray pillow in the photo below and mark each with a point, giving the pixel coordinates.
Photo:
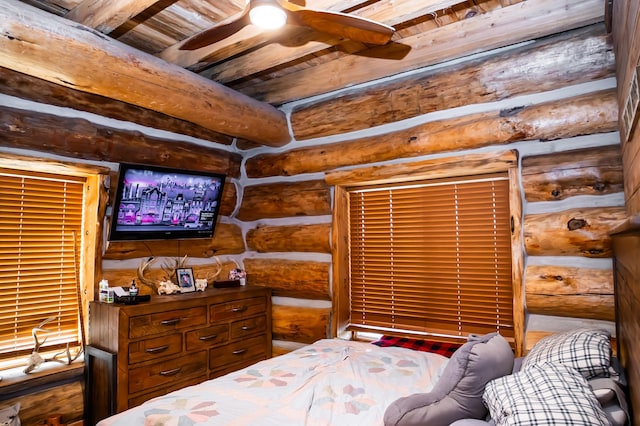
(458, 393)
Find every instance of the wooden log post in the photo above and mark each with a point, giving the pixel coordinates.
(299, 324)
(586, 114)
(300, 238)
(103, 204)
(574, 232)
(595, 171)
(307, 198)
(475, 82)
(570, 292)
(290, 278)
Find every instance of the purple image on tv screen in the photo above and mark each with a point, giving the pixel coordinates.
(160, 203)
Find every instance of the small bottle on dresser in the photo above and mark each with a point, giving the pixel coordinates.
(133, 289)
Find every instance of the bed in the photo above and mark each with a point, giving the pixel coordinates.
(331, 382)
(566, 378)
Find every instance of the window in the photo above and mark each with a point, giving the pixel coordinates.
(430, 256)
(42, 250)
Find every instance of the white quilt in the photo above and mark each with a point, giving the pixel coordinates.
(331, 382)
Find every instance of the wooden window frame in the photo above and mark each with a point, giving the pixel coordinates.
(450, 167)
(94, 205)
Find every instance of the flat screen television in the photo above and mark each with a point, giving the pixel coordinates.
(160, 203)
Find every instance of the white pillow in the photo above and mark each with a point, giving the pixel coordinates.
(549, 394)
(586, 350)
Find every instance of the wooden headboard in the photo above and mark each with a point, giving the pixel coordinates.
(626, 246)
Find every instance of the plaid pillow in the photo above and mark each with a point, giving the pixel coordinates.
(442, 348)
(549, 394)
(586, 350)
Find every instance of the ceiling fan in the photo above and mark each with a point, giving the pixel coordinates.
(275, 13)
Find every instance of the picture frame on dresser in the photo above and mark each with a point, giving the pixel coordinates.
(186, 282)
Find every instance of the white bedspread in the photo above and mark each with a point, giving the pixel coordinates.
(332, 382)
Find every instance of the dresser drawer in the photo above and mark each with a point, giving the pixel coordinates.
(248, 327)
(236, 352)
(237, 309)
(155, 348)
(163, 322)
(167, 372)
(207, 337)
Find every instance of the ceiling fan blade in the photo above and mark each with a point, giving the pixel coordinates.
(341, 24)
(217, 32)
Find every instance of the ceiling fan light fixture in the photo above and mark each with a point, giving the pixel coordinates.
(267, 16)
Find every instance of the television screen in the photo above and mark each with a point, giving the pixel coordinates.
(154, 203)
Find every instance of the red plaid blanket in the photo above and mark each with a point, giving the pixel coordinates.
(442, 348)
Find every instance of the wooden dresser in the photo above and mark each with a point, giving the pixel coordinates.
(176, 340)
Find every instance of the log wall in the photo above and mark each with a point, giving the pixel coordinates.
(485, 80)
(561, 116)
(277, 218)
(78, 138)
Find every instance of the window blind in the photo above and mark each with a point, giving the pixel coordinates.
(432, 257)
(39, 215)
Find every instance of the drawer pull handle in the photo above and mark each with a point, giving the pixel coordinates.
(170, 322)
(240, 309)
(209, 337)
(239, 351)
(157, 350)
(248, 328)
(171, 372)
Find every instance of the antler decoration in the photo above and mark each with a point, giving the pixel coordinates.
(144, 265)
(35, 359)
(213, 275)
(67, 352)
(170, 283)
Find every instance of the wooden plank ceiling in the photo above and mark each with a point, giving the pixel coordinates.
(296, 62)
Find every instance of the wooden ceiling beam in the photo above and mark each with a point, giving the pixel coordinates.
(107, 15)
(58, 50)
(24, 86)
(502, 27)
